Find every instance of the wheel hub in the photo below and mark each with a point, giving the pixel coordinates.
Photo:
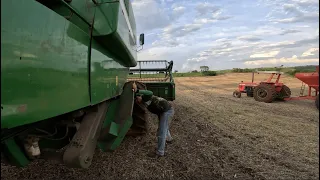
(262, 93)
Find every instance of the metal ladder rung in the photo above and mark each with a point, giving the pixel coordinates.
(303, 86)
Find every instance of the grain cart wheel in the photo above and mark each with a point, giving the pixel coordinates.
(264, 93)
(285, 92)
(237, 94)
(139, 116)
(317, 102)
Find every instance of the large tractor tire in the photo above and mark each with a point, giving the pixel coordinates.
(264, 93)
(317, 102)
(139, 116)
(285, 92)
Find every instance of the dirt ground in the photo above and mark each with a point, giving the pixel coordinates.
(216, 136)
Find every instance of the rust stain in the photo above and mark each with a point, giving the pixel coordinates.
(22, 108)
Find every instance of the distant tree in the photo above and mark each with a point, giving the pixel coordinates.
(209, 73)
(175, 71)
(204, 68)
(194, 71)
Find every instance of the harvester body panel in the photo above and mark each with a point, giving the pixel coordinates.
(65, 64)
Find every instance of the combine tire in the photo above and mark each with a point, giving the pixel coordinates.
(285, 92)
(237, 94)
(264, 93)
(139, 116)
(317, 102)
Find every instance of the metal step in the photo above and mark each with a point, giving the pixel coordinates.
(80, 152)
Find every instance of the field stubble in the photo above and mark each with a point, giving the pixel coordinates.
(216, 136)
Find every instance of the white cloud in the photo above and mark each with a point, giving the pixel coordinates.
(206, 8)
(149, 15)
(306, 2)
(193, 33)
(297, 14)
(249, 38)
(263, 55)
(178, 11)
(274, 61)
(289, 31)
(310, 52)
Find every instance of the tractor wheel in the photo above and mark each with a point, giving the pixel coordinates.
(285, 92)
(139, 116)
(317, 102)
(250, 92)
(237, 94)
(264, 93)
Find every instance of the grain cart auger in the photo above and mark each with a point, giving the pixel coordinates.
(155, 76)
(64, 69)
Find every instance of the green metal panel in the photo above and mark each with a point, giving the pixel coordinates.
(110, 27)
(117, 37)
(165, 90)
(107, 76)
(118, 120)
(14, 153)
(42, 68)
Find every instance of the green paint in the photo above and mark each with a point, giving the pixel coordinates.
(104, 74)
(14, 153)
(165, 90)
(118, 121)
(123, 131)
(41, 67)
(110, 27)
(110, 116)
(49, 69)
(114, 128)
(45, 59)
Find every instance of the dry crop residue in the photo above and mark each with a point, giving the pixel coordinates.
(216, 136)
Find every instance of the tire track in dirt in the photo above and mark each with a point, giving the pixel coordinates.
(216, 137)
(202, 89)
(200, 100)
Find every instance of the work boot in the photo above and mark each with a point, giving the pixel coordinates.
(169, 141)
(154, 154)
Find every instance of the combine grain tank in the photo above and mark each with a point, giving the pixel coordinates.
(64, 68)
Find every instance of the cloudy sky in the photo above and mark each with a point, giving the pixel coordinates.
(225, 34)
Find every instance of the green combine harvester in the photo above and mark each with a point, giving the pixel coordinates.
(64, 79)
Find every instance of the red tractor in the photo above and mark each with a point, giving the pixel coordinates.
(267, 91)
(264, 91)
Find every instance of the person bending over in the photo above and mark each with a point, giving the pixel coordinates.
(164, 110)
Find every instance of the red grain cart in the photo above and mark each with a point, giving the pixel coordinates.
(312, 80)
(268, 91)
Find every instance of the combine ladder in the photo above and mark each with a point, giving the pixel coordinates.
(303, 86)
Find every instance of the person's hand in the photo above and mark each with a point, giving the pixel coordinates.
(134, 87)
(138, 99)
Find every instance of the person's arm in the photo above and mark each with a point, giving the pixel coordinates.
(164, 105)
(145, 93)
